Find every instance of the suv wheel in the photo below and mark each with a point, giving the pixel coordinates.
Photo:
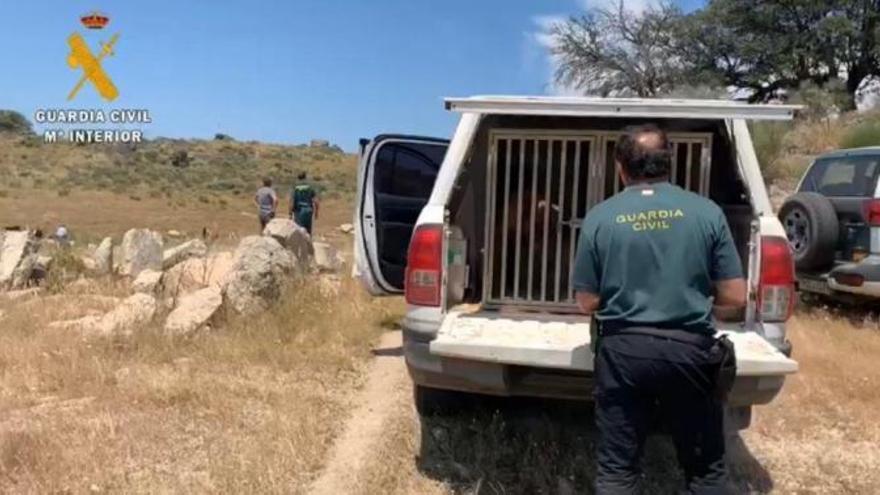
(812, 229)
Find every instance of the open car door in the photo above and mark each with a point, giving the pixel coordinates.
(395, 177)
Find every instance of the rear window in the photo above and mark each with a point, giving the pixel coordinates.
(843, 176)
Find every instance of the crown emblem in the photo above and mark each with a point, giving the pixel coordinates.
(94, 20)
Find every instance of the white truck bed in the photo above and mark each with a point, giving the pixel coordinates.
(563, 341)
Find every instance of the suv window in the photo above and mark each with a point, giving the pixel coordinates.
(843, 176)
(408, 169)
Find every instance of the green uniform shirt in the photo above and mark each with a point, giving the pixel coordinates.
(302, 197)
(652, 253)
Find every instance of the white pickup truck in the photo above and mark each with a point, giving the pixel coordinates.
(479, 233)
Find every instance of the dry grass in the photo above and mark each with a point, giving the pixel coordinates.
(820, 436)
(92, 215)
(249, 408)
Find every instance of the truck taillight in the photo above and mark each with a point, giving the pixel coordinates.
(424, 266)
(776, 295)
(872, 212)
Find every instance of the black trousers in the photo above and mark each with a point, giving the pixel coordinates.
(631, 392)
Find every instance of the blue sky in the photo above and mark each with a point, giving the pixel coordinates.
(285, 71)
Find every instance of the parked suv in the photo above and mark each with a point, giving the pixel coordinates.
(833, 225)
(480, 232)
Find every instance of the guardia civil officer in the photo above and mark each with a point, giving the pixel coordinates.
(654, 264)
(303, 203)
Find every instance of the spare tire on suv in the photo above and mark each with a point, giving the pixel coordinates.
(811, 226)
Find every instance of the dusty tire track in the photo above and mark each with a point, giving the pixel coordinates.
(387, 387)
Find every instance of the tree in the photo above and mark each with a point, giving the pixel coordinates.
(617, 52)
(14, 122)
(859, 28)
(771, 46)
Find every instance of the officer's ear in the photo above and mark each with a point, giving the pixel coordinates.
(622, 173)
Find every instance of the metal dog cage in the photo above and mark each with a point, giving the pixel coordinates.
(540, 186)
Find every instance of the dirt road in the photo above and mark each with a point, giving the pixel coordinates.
(385, 390)
(819, 436)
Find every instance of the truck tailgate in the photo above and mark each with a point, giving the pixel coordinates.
(563, 341)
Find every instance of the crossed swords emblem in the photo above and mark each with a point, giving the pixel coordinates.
(81, 56)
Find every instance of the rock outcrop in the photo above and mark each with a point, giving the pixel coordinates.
(147, 282)
(327, 258)
(132, 312)
(103, 257)
(141, 250)
(293, 237)
(193, 311)
(258, 274)
(195, 248)
(16, 258)
(197, 273)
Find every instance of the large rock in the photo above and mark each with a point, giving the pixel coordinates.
(132, 312)
(327, 258)
(196, 273)
(16, 260)
(141, 250)
(195, 248)
(193, 311)
(103, 257)
(293, 237)
(147, 282)
(257, 277)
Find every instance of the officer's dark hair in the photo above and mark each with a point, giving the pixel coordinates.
(301, 176)
(267, 181)
(644, 158)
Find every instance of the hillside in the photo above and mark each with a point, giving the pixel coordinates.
(786, 149)
(175, 169)
(185, 185)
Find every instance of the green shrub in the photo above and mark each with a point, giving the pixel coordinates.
(11, 121)
(820, 102)
(769, 140)
(65, 266)
(864, 134)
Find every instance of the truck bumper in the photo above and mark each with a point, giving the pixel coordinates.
(846, 277)
(463, 375)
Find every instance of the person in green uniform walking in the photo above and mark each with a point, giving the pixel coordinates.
(303, 203)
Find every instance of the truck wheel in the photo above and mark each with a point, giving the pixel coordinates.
(438, 402)
(812, 229)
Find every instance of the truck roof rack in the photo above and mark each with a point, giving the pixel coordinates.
(620, 107)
